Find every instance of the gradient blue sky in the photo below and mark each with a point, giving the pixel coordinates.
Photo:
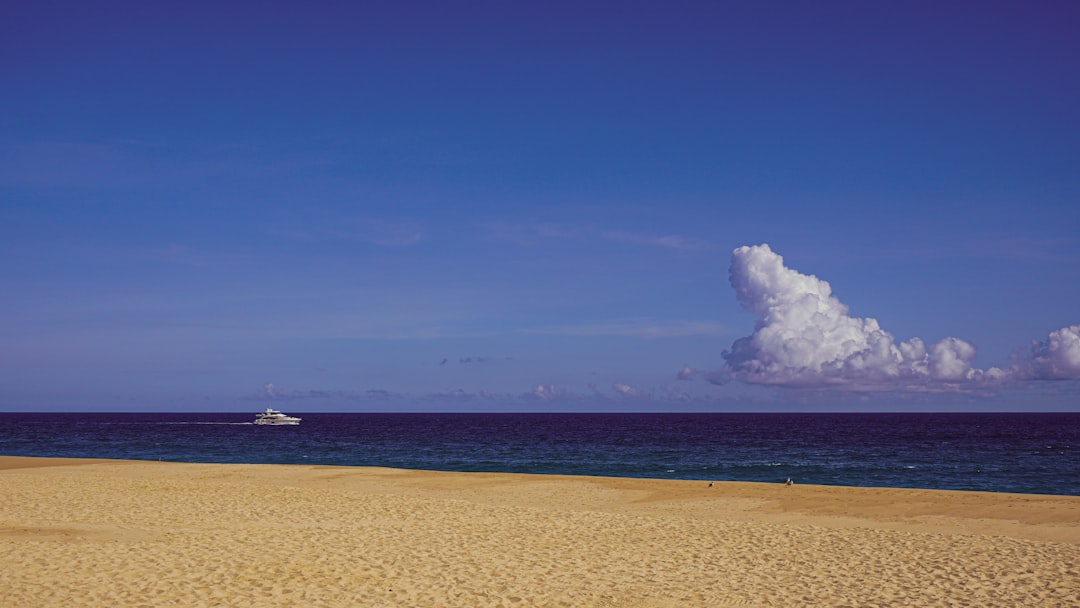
(472, 206)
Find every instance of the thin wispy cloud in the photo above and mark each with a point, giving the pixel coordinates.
(186, 255)
(381, 232)
(994, 246)
(636, 328)
(666, 241)
(524, 233)
(120, 164)
(63, 163)
(529, 233)
(387, 233)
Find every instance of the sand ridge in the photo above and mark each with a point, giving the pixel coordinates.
(121, 533)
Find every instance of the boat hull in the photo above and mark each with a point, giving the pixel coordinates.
(272, 417)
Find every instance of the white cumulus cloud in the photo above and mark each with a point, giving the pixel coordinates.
(1057, 358)
(805, 336)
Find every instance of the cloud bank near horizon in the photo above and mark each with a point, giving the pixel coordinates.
(618, 393)
(805, 337)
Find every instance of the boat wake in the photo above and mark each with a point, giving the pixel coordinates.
(207, 423)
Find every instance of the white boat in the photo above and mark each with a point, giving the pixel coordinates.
(272, 416)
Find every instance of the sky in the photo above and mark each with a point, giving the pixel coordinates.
(539, 206)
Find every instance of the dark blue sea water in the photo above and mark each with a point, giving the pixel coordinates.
(1033, 453)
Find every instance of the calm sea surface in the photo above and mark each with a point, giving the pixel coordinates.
(1034, 453)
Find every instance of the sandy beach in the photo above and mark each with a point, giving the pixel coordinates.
(120, 533)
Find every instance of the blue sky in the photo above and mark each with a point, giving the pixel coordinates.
(475, 206)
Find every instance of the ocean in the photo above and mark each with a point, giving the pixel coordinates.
(1029, 453)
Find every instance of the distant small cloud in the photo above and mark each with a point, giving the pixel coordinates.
(454, 395)
(687, 373)
(543, 392)
(381, 394)
(473, 359)
(628, 391)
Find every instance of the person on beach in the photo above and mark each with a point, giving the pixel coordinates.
(788, 482)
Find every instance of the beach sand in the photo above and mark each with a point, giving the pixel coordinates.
(118, 533)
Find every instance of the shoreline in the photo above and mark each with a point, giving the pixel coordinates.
(9, 462)
(1026, 454)
(148, 532)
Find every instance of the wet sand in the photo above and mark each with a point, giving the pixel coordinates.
(120, 533)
